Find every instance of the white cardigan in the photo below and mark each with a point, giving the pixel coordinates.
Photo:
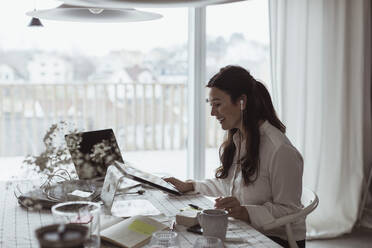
(278, 188)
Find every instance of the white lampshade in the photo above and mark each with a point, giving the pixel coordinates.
(73, 13)
(146, 3)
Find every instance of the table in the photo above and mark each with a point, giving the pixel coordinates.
(17, 225)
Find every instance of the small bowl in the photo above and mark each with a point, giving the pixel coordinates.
(73, 236)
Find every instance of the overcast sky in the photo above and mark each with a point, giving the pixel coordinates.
(247, 17)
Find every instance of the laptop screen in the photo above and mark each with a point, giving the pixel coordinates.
(92, 152)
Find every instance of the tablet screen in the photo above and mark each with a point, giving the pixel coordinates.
(146, 178)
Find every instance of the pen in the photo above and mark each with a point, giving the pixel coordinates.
(173, 225)
(195, 207)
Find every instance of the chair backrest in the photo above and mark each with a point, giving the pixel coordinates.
(309, 201)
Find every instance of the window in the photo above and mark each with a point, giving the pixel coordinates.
(133, 82)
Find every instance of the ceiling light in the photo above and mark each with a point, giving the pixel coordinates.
(146, 3)
(73, 13)
(35, 22)
(95, 11)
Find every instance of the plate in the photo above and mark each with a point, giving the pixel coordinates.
(67, 190)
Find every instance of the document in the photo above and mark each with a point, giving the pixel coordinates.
(171, 205)
(133, 232)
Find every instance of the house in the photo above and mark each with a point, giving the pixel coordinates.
(10, 75)
(13, 66)
(141, 74)
(50, 68)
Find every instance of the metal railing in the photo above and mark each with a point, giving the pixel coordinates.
(143, 116)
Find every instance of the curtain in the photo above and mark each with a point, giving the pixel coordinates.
(321, 81)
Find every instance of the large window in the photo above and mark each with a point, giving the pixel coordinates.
(238, 34)
(131, 77)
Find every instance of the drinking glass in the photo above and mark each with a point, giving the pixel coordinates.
(208, 242)
(83, 213)
(163, 239)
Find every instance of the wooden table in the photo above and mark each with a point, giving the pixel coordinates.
(18, 225)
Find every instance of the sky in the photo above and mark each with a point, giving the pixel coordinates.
(247, 17)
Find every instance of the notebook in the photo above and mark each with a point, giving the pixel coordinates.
(132, 232)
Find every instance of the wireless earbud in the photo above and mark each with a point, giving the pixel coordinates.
(241, 104)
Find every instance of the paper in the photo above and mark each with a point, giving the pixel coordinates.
(141, 227)
(80, 193)
(128, 208)
(171, 205)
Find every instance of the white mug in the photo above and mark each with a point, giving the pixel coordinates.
(214, 222)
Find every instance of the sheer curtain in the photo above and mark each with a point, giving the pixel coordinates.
(321, 74)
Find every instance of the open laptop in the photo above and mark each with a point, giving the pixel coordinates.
(94, 151)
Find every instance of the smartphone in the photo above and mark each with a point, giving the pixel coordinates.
(195, 229)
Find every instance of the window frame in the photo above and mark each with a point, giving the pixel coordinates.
(196, 93)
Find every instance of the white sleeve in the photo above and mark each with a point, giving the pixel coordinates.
(285, 173)
(212, 187)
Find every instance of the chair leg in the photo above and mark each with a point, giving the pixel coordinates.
(291, 240)
(365, 193)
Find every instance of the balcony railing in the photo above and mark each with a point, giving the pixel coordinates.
(143, 116)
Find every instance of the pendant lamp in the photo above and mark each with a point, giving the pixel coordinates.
(146, 3)
(73, 13)
(35, 22)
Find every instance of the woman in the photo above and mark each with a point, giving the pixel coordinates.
(260, 177)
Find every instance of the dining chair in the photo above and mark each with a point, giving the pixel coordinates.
(309, 201)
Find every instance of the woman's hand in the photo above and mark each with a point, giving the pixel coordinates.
(232, 205)
(180, 185)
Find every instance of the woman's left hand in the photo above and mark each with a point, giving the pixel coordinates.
(232, 205)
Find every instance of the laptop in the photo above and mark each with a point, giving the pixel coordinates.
(94, 151)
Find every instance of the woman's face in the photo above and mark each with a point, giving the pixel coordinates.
(226, 112)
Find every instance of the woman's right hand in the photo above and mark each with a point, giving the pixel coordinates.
(180, 185)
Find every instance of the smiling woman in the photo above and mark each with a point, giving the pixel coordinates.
(260, 174)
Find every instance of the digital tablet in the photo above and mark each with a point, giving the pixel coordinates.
(146, 178)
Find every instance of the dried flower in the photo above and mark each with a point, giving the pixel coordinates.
(56, 152)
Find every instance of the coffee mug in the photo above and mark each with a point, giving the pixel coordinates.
(214, 222)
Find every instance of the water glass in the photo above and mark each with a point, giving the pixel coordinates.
(208, 242)
(163, 239)
(83, 213)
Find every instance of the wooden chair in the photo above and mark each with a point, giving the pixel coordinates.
(310, 201)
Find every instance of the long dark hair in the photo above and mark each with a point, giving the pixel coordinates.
(236, 82)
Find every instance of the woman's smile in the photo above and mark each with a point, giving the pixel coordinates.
(220, 120)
